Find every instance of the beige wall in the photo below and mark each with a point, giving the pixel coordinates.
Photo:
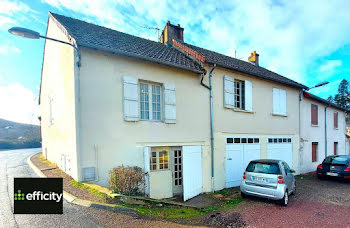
(59, 139)
(260, 122)
(121, 143)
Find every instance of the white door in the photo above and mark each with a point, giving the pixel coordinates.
(192, 171)
(239, 152)
(280, 149)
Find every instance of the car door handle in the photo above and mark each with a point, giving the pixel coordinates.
(229, 159)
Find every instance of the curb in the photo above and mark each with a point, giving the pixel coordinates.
(75, 200)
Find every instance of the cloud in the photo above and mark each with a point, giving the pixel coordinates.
(12, 7)
(288, 35)
(6, 22)
(6, 49)
(330, 65)
(19, 104)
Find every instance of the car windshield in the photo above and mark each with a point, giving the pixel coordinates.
(263, 167)
(337, 160)
(340, 160)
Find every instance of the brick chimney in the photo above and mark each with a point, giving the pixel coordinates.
(254, 58)
(170, 32)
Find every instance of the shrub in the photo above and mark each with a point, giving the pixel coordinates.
(127, 180)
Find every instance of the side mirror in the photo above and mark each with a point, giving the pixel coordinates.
(292, 171)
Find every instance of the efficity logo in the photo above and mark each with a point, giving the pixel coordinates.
(38, 196)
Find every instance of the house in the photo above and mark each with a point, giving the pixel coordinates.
(322, 131)
(125, 100)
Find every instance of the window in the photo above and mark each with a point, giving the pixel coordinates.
(150, 102)
(263, 167)
(336, 120)
(286, 168)
(229, 140)
(279, 101)
(314, 114)
(279, 140)
(239, 95)
(159, 160)
(314, 151)
(335, 148)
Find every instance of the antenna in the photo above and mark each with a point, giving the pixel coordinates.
(154, 28)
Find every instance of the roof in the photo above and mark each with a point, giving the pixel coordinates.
(319, 99)
(105, 39)
(244, 67)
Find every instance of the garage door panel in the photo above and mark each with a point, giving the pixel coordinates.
(281, 151)
(192, 171)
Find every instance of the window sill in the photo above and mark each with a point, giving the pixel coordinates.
(336, 128)
(314, 125)
(280, 115)
(159, 170)
(240, 110)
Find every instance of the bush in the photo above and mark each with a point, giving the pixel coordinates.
(129, 180)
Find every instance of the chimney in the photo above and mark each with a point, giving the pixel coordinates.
(171, 32)
(254, 58)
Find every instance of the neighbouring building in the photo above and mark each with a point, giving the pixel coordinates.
(125, 100)
(322, 131)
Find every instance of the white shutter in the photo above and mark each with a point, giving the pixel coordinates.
(248, 94)
(192, 171)
(146, 153)
(130, 96)
(169, 103)
(276, 101)
(229, 91)
(283, 102)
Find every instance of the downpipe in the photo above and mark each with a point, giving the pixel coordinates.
(210, 87)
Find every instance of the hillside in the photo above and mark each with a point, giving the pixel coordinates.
(18, 135)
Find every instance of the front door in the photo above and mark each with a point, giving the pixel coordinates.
(177, 170)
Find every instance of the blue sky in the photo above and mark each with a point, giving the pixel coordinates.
(307, 41)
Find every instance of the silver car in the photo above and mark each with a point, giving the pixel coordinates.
(267, 178)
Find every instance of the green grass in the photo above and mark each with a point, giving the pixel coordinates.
(93, 191)
(169, 212)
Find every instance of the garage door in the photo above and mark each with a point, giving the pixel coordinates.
(239, 152)
(281, 149)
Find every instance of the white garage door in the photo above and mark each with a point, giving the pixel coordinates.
(239, 152)
(281, 149)
(192, 171)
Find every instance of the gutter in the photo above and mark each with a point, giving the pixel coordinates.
(210, 87)
(325, 130)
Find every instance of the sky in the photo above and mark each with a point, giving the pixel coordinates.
(306, 41)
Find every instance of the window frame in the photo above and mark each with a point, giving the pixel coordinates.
(158, 163)
(313, 123)
(336, 120)
(241, 94)
(151, 101)
(314, 158)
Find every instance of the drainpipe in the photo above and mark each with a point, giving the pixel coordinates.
(210, 87)
(325, 130)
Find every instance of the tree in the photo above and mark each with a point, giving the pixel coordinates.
(342, 98)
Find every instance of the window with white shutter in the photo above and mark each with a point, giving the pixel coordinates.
(169, 103)
(150, 101)
(130, 97)
(238, 94)
(279, 101)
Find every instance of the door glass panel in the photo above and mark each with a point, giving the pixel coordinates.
(177, 168)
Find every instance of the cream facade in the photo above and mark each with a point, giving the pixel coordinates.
(325, 141)
(115, 110)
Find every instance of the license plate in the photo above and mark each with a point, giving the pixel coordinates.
(260, 179)
(332, 174)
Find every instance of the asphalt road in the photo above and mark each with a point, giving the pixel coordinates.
(13, 163)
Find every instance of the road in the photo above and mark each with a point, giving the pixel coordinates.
(13, 163)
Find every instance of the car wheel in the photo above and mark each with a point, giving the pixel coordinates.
(243, 195)
(285, 199)
(320, 177)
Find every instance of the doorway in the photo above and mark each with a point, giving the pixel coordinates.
(176, 153)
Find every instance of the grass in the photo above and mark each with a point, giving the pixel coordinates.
(177, 213)
(45, 161)
(80, 185)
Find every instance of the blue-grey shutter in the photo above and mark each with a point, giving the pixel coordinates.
(130, 99)
(229, 92)
(169, 103)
